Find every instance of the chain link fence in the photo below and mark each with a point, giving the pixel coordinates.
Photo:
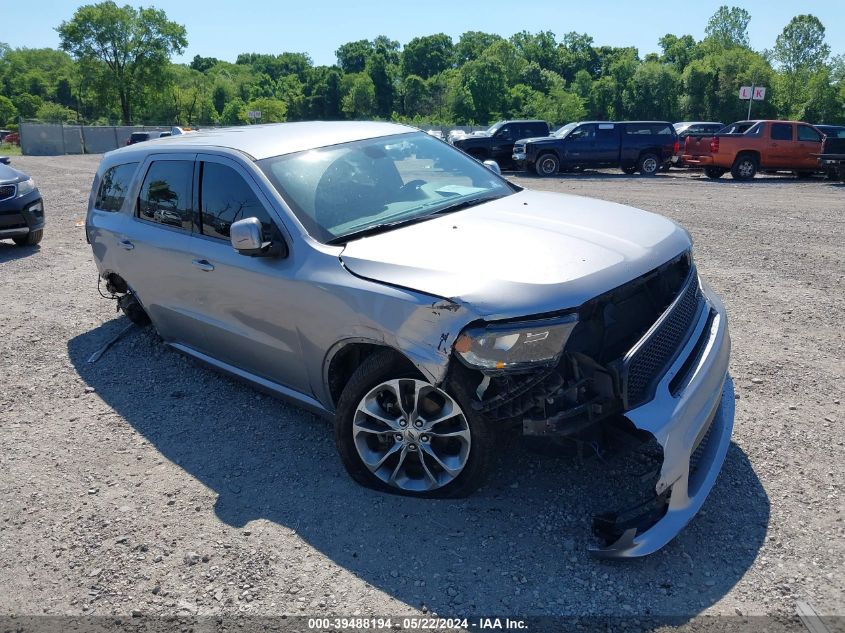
(55, 139)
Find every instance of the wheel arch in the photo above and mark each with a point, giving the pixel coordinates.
(754, 153)
(345, 356)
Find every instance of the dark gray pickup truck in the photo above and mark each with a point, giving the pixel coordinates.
(643, 146)
(832, 158)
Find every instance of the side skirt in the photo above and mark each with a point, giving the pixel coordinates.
(267, 386)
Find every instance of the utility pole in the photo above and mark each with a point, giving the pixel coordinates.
(750, 99)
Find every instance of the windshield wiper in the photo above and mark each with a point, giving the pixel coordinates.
(375, 229)
(382, 227)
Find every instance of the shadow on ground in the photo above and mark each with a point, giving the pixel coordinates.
(516, 547)
(10, 251)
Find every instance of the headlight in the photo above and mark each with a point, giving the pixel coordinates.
(515, 345)
(26, 186)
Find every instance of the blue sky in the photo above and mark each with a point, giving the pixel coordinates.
(222, 28)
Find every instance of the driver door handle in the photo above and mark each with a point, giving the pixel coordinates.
(203, 264)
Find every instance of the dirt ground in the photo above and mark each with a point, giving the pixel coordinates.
(146, 483)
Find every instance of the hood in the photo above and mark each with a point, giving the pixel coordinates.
(529, 253)
(10, 174)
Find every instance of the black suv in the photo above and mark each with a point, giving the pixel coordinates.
(643, 146)
(497, 141)
(21, 207)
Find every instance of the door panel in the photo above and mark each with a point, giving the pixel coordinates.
(247, 303)
(579, 145)
(502, 148)
(153, 249)
(781, 146)
(809, 143)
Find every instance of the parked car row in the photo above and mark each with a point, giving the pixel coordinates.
(742, 148)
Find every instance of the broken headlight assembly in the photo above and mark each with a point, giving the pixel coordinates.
(510, 346)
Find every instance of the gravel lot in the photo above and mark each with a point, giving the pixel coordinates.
(147, 483)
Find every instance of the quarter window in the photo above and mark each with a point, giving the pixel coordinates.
(781, 132)
(225, 198)
(114, 186)
(166, 193)
(806, 133)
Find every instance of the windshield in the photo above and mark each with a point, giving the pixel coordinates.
(494, 128)
(566, 129)
(348, 188)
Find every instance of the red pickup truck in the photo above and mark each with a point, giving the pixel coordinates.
(745, 147)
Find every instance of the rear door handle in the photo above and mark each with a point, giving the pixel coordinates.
(127, 245)
(203, 264)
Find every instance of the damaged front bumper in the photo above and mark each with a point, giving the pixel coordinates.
(691, 416)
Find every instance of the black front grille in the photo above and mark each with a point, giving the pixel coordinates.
(7, 191)
(646, 363)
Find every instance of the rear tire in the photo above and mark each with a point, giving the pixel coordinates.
(714, 172)
(474, 456)
(30, 239)
(744, 167)
(547, 165)
(648, 164)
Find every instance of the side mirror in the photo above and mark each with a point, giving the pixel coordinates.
(493, 166)
(246, 238)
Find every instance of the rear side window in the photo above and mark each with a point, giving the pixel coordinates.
(781, 132)
(536, 129)
(166, 193)
(114, 186)
(225, 198)
(639, 129)
(806, 133)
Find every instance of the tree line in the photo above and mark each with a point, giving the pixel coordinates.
(114, 65)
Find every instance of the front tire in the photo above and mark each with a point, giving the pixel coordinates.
(30, 239)
(547, 165)
(398, 433)
(744, 167)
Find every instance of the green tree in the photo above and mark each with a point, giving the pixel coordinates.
(415, 95)
(359, 99)
(134, 44)
(272, 110)
(540, 48)
(352, 57)
(678, 51)
(652, 92)
(55, 113)
(203, 64)
(426, 56)
(234, 113)
(801, 46)
(27, 104)
(472, 44)
(728, 27)
(801, 53)
(381, 75)
(486, 81)
(8, 111)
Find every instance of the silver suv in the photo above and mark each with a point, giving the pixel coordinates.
(378, 276)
